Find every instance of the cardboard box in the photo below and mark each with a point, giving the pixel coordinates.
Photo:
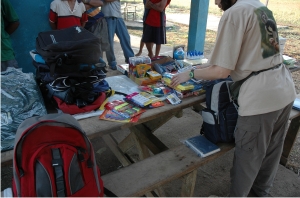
(132, 74)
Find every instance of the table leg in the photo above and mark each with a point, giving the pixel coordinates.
(290, 139)
(112, 144)
(188, 184)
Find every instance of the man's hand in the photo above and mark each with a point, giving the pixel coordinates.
(180, 78)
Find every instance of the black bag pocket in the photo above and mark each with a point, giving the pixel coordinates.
(210, 127)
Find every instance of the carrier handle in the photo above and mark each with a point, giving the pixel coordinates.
(57, 163)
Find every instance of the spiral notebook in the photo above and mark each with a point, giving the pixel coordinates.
(202, 146)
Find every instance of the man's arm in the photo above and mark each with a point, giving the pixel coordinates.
(52, 25)
(208, 72)
(160, 6)
(11, 27)
(83, 24)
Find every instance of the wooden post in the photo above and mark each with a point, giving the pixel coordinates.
(197, 27)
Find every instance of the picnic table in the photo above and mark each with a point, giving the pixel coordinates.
(171, 163)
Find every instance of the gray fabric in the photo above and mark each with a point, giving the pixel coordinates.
(259, 142)
(43, 184)
(100, 30)
(75, 176)
(112, 9)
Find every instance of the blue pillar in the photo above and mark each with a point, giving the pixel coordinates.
(197, 28)
(34, 18)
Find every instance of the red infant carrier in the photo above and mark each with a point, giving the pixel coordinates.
(54, 158)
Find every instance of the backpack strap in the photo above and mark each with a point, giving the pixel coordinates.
(57, 164)
(235, 87)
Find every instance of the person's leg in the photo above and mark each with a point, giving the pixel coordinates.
(252, 137)
(149, 47)
(157, 49)
(124, 38)
(269, 167)
(160, 38)
(110, 54)
(141, 48)
(147, 38)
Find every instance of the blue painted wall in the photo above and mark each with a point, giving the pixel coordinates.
(33, 16)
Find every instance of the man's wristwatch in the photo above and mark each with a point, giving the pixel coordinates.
(192, 73)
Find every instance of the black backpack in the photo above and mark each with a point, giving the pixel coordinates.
(220, 115)
(68, 47)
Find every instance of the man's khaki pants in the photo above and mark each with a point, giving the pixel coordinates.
(259, 142)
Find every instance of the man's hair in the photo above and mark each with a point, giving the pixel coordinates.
(226, 4)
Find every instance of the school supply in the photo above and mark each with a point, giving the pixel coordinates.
(202, 146)
(54, 158)
(220, 115)
(121, 111)
(173, 99)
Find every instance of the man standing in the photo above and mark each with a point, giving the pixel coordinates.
(115, 23)
(246, 43)
(9, 23)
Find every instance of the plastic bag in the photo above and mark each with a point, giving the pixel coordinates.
(20, 99)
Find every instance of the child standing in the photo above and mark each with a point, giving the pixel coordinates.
(67, 13)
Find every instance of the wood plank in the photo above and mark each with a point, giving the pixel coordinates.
(112, 144)
(7, 157)
(127, 143)
(142, 149)
(147, 138)
(150, 173)
(188, 184)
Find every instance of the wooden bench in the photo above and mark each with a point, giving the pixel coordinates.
(129, 10)
(151, 173)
